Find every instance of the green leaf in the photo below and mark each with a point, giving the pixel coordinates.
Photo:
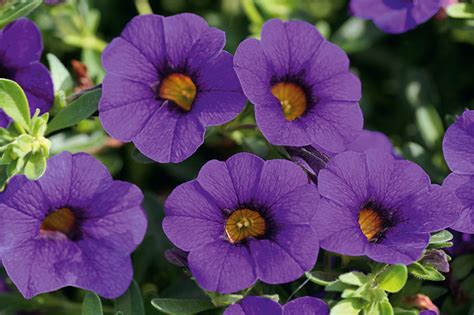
(356, 35)
(14, 103)
(61, 77)
(385, 308)
(35, 166)
(92, 304)
(461, 11)
(401, 311)
(462, 266)
(181, 306)
(338, 286)
(425, 272)
(440, 245)
(13, 9)
(347, 307)
(321, 277)
(78, 110)
(393, 279)
(441, 237)
(131, 303)
(354, 278)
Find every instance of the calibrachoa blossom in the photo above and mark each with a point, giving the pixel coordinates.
(458, 148)
(375, 205)
(301, 87)
(395, 16)
(75, 226)
(20, 51)
(255, 305)
(242, 220)
(167, 79)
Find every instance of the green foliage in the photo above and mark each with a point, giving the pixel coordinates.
(62, 79)
(130, 303)
(92, 304)
(14, 103)
(321, 277)
(78, 110)
(13, 9)
(461, 10)
(425, 272)
(182, 306)
(393, 278)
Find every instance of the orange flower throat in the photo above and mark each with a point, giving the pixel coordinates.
(244, 223)
(292, 99)
(62, 220)
(180, 89)
(371, 223)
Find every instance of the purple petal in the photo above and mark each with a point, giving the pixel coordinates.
(279, 178)
(145, 33)
(254, 305)
(463, 186)
(125, 60)
(369, 140)
(170, 136)
(458, 144)
(332, 125)
(232, 268)
(341, 87)
(245, 170)
(122, 113)
(20, 44)
(214, 177)
(26, 197)
(338, 229)
(36, 81)
(182, 31)
(306, 305)
(276, 46)
(253, 71)
(4, 119)
(116, 218)
(192, 218)
(329, 61)
(399, 246)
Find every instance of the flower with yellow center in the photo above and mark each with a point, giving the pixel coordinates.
(180, 89)
(244, 223)
(292, 99)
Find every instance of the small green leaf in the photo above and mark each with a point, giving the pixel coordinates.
(131, 302)
(401, 311)
(35, 166)
(61, 77)
(13, 9)
(393, 279)
(14, 103)
(78, 110)
(425, 272)
(321, 277)
(354, 278)
(338, 286)
(92, 304)
(347, 307)
(181, 306)
(441, 237)
(385, 308)
(461, 11)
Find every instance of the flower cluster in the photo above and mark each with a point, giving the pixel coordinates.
(243, 220)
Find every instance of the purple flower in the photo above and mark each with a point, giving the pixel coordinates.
(375, 205)
(301, 87)
(242, 220)
(458, 148)
(255, 305)
(20, 51)
(395, 16)
(167, 79)
(75, 226)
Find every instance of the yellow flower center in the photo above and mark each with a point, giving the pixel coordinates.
(371, 223)
(292, 99)
(180, 89)
(244, 223)
(62, 220)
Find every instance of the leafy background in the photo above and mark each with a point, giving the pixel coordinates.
(414, 85)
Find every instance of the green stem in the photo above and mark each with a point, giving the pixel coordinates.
(143, 7)
(297, 289)
(252, 12)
